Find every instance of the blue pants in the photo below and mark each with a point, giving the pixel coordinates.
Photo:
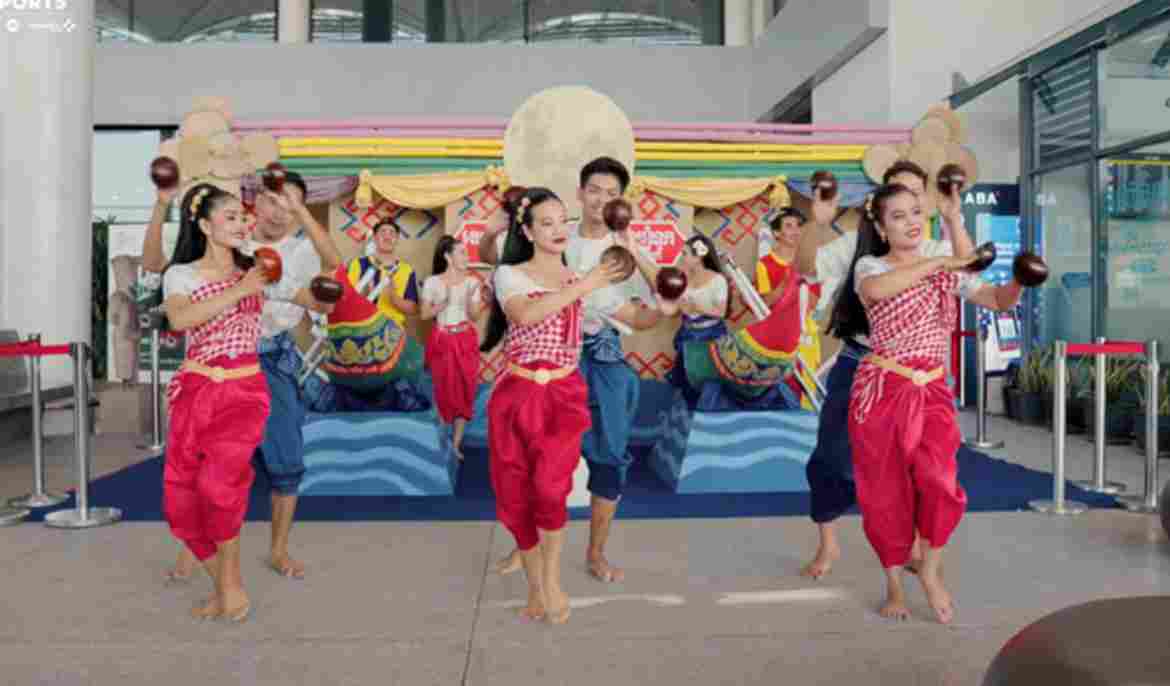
(281, 456)
(614, 390)
(830, 468)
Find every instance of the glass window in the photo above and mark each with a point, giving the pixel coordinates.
(1064, 304)
(121, 175)
(343, 21)
(1135, 86)
(1136, 190)
(1062, 110)
(186, 21)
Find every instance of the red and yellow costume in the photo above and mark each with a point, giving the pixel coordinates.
(773, 272)
(537, 415)
(218, 404)
(902, 422)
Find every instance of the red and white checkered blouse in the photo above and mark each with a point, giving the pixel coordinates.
(912, 328)
(554, 340)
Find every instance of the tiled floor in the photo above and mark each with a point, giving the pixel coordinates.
(705, 601)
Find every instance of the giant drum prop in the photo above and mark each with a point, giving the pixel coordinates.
(367, 350)
(559, 130)
(1102, 643)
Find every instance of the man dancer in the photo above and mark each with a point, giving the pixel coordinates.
(830, 467)
(282, 454)
(614, 388)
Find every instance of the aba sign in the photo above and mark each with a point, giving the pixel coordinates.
(662, 239)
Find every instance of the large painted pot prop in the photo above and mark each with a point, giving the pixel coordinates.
(367, 350)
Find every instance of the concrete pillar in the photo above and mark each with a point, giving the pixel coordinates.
(294, 21)
(46, 158)
(761, 15)
(737, 22)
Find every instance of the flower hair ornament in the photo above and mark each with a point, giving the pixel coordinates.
(524, 203)
(699, 248)
(869, 207)
(198, 200)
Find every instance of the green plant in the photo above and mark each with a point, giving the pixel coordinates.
(1036, 374)
(1163, 391)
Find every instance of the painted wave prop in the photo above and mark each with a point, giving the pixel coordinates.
(734, 452)
(378, 454)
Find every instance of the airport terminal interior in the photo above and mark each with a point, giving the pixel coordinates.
(472, 342)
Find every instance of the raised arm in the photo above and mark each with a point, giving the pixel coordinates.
(183, 314)
(154, 258)
(877, 287)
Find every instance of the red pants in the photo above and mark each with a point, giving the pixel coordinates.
(215, 427)
(453, 358)
(904, 467)
(534, 443)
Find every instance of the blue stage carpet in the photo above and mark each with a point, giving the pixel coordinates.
(992, 485)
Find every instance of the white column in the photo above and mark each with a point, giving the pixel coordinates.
(46, 157)
(761, 15)
(293, 16)
(737, 22)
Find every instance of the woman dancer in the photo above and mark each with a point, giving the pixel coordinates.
(539, 410)
(704, 307)
(218, 402)
(452, 296)
(902, 423)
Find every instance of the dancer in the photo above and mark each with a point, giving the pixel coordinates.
(281, 457)
(538, 411)
(400, 297)
(830, 467)
(771, 275)
(704, 307)
(614, 388)
(218, 403)
(902, 422)
(453, 297)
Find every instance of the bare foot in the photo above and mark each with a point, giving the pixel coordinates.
(558, 608)
(894, 608)
(236, 605)
(534, 611)
(602, 570)
(938, 596)
(895, 605)
(511, 563)
(210, 609)
(286, 566)
(822, 563)
(183, 569)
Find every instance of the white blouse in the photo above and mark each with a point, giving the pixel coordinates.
(454, 300)
(710, 296)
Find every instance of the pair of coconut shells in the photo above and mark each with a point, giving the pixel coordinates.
(937, 140)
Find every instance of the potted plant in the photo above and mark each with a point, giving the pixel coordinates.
(1122, 377)
(1139, 418)
(1032, 382)
(1078, 386)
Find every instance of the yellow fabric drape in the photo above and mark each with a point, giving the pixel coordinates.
(712, 193)
(427, 191)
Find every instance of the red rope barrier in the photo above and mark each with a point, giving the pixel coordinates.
(1109, 348)
(31, 350)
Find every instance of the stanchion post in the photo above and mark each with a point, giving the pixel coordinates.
(156, 444)
(1148, 503)
(83, 516)
(1058, 505)
(980, 441)
(1098, 484)
(39, 497)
